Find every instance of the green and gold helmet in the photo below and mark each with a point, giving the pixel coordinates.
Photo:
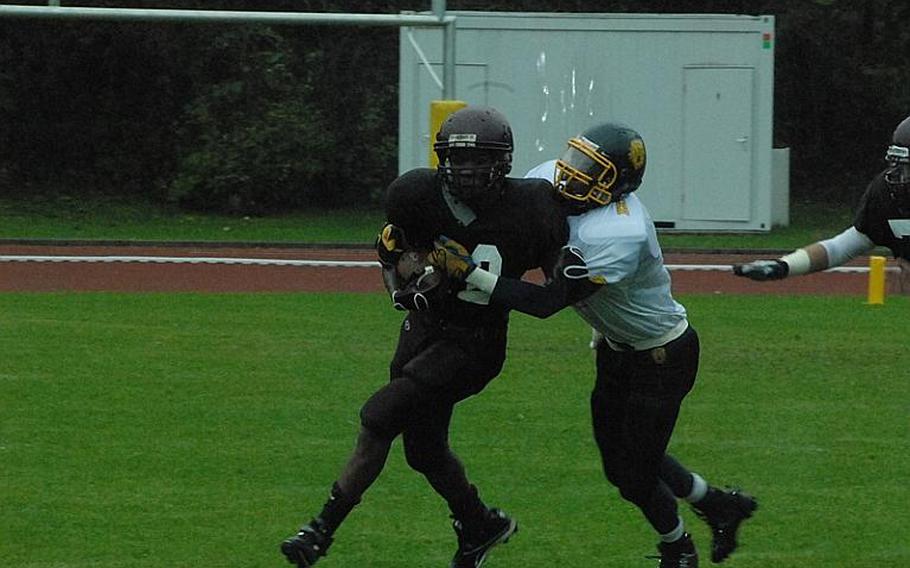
(601, 165)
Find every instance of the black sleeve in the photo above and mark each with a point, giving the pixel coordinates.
(556, 232)
(541, 301)
(406, 206)
(862, 219)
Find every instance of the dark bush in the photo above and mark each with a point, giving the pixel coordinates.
(254, 119)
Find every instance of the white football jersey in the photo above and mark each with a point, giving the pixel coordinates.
(619, 243)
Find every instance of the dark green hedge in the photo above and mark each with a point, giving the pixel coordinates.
(258, 119)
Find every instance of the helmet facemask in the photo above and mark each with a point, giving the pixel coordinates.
(473, 174)
(897, 176)
(898, 157)
(585, 176)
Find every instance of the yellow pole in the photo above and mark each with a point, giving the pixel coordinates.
(439, 110)
(876, 280)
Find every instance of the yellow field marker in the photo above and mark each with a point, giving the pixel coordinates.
(876, 280)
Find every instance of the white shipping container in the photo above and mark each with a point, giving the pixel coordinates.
(698, 87)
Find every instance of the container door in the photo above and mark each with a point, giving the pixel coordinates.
(717, 143)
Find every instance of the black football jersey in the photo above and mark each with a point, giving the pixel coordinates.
(880, 219)
(522, 231)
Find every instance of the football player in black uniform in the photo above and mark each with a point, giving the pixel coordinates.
(452, 341)
(883, 219)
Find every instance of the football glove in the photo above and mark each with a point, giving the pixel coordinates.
(762, 270)
(571, 264)
(421, 293)
(390, 244)
(453, 257)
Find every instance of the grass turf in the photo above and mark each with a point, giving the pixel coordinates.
(98, 218)
(172, 430)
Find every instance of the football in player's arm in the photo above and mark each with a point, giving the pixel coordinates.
(882, 219)
(411, 280)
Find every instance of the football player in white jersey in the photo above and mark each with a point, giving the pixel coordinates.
(612, 273)
(883, 219)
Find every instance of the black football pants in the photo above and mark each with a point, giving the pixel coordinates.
(435, 366)
(634, 407)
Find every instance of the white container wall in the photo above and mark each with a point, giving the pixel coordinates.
(699, 89)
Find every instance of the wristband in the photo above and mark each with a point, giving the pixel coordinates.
(798, 262)
(482, 279)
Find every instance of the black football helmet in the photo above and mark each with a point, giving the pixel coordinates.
(897, 176)
(601, 165)
(474, 147)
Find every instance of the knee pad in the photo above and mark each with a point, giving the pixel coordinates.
(387, 411)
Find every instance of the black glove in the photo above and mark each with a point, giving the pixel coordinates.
(762, 270)
(421, 293)
(410, 300)
(571, 264)
(390, 244)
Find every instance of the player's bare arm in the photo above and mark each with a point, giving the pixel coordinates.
(884, 204)
(806, 260)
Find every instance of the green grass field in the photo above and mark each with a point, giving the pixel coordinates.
(185, 430)
(67, 218)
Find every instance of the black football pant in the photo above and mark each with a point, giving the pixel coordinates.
(634, 407)
(435, 366)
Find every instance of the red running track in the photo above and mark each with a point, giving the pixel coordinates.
(218, 277)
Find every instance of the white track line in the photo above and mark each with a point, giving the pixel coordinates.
(322, 263)
(190, 260)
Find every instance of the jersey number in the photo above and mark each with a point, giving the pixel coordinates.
(900, 227)
(488, 258)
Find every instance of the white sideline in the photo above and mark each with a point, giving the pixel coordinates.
(321, 263)
(190, 260)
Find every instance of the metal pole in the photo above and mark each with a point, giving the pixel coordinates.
(439, 18)
(448, 50)
(448, 59)
(222, 16)
(439, 8)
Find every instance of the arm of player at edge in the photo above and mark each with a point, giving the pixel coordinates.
(818, 256)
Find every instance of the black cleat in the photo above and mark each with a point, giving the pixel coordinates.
(308, 545)
(678, 554)
(724, 511)
(475, 542)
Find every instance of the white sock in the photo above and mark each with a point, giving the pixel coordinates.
(675, 534)
(699, 489)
